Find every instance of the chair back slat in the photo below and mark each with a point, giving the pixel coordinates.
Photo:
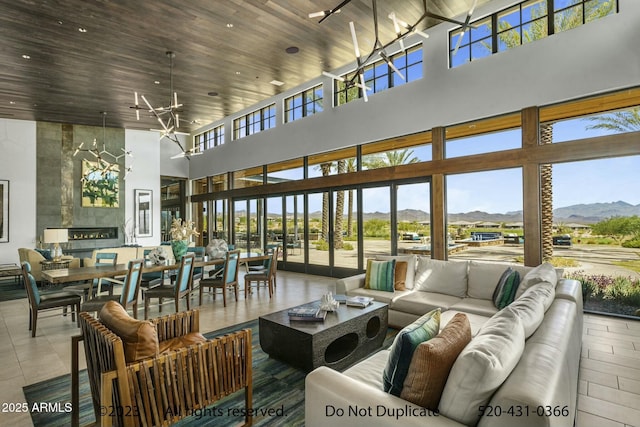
(231, 267)
(185, 274)
(30, 284)
(132, 283)
(199, 252)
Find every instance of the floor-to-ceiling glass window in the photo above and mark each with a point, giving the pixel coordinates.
(376, 221)
(318, 228)
(413, 222)
(345, 243)
(221, 215)
(274, 222)
(294, 230)
(484, 215)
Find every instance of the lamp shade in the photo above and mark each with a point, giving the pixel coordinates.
(56, 235)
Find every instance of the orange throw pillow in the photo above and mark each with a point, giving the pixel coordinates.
(432, 361)
(400, 275)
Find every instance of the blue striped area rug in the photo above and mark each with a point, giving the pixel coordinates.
(276, 387)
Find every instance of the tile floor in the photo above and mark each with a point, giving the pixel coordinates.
(609, 381)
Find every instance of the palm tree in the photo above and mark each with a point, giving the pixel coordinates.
(620, 121)
(338, 240)
(326, 170)
(351, 167)
(390, 158)
(564, 20)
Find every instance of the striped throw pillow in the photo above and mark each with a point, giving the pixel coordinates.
(380, 275)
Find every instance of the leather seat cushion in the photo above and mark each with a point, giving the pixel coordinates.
(139, 337)
(182, 341)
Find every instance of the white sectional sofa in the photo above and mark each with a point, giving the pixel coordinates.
(541, 333)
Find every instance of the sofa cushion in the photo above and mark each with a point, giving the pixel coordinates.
(432, 361)
(368, 370)
(380, 275)
(445, 277)
(484, 275)
(476, 321)
(411, 266)
(401, 351)
(381, 296)
(400, 278)
(482, 367)
(482, 307)
(139, 337)
(542, 273)
(506, 288)
(530, 308)
(417, 302)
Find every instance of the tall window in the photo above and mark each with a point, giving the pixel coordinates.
(380, 76)
(303, 104)
(209, 139)
(525, 22)
(254, 122)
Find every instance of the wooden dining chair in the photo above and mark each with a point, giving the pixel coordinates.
(266, 276)
(39, 302)
(180, 288)
(128, 297)
(88, 289)
(228, 279)
(262, 268)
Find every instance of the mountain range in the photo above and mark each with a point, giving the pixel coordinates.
(581, 213)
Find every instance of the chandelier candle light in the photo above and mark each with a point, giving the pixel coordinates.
(168, 117)
(103, 166)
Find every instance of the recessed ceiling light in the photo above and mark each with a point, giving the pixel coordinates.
(26, 56)
(12, 102)
(229, 25)
(212, 93)
(156, 82)
(276, 82)
(82, 30)
(237, 73)
(292, 49)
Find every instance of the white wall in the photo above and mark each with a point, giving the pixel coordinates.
(145, 175)
(599, 57)
(18, 165)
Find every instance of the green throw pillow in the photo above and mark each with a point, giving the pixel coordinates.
(380, 275)
(404, 346)
(505, 291)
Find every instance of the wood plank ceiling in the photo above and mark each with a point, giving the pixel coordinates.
(88, 56)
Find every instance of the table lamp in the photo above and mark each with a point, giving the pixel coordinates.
(56, 236)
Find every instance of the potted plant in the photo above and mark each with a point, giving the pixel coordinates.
(181, 232)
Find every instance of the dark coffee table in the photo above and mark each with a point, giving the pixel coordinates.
(344, 337)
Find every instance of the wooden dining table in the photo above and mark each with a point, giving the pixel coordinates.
(81, 274)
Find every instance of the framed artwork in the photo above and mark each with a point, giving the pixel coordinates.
(99, 189)
(143, 200)
(4, 210)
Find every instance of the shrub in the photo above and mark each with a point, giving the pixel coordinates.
(625, 290)
(347, 246)
(322, 245)
(635, 243)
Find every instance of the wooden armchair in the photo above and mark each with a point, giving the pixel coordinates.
(188, 372)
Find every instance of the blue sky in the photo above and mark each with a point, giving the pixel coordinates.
(500, 191)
